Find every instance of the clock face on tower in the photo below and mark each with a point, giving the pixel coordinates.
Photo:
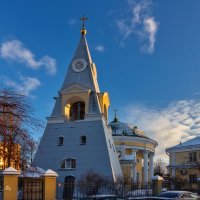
(79, 65)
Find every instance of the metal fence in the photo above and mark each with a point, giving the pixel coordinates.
(80, 190)
(30, 189)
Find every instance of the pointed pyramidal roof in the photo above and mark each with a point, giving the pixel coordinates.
(81, 73)
(86, 77)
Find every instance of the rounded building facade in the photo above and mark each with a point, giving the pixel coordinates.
(135, 151)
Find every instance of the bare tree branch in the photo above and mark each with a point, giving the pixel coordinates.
(16, 118)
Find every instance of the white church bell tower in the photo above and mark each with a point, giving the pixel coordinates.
(77, 137)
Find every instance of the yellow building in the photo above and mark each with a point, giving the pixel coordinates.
(135, 151)
(12, 157)
(184, 161)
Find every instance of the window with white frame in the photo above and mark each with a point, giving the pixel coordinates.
(68, 163)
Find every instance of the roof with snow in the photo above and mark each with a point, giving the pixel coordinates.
(125, 129)
(193, 142)
(119, 128)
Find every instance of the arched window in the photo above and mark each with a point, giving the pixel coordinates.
(77, 111)
(83, 140)
(68, 163)
(60, 141)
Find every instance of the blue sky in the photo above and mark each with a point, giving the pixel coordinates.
(147, 55)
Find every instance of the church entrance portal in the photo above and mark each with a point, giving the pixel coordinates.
(68, 189)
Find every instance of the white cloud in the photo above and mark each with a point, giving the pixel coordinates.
(72, 22)
(26, 85)
(139, 22)
(125, 29)
(178, 122)
(150, 27)
(99, 48)
(14, 50)
(49, 63)
(136, 10)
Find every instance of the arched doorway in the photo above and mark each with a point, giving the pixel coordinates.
(77, 111)
(68, 189)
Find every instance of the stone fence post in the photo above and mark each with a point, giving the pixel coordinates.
(157, 185)
(49, 185)
(10, 183)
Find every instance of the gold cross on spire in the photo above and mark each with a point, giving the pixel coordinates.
(83, 19)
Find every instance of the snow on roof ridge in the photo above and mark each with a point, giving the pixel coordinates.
(188, 143)
(191, 141)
